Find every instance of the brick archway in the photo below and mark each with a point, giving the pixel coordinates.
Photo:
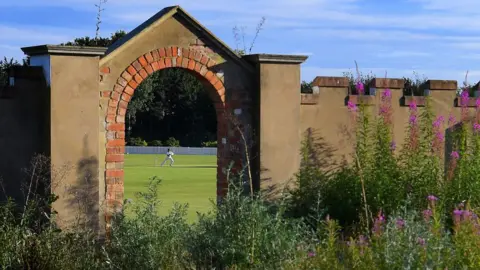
(170, 57)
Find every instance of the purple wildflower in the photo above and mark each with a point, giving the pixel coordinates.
(457, 214)
(464, 97)
(400, 223)
(387, 94)
(379, 221)
(438, 121)
(360, 88)
(467, 214)
(439, 136)
(352, 106)
(452, 120)
(383, 110)
(477, 103)
(311, 254)
(455, 155)
(413, 106)
(421, 241)
(362, 240)
(393, 145)
(413, 119)
(476, 127)
(432, 198)
(427, 214)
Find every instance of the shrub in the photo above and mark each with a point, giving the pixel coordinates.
(172, 142)
(413, 87)
(149, 241)
(137, 141)
(209, 144)
(156, 143)
(245, 233)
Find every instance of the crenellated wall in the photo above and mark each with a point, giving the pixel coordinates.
(325, 111)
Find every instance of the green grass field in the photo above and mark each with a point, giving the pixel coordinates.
(192, 180)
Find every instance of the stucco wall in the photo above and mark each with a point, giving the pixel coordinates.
(279, 122)
(75, 135)
(327, 114)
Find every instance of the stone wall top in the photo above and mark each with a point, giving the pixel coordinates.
(322, 81)
(64, 50)
(441, 85)
(387, 83)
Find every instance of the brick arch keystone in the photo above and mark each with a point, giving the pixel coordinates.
(170, 57)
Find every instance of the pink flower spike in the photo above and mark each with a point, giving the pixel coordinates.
(438, 121)
(360, 87)
(413, 119)
(455, 155)
(476, 127)
(464, 97)
(413, 106)
(427, 214)
(351, 106)
(387, 93)
(452, 120)
(432, 198)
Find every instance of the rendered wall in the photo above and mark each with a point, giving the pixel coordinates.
(75, 136)
(277, 118)
(327, 115)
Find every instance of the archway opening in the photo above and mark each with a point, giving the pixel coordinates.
(172, 109)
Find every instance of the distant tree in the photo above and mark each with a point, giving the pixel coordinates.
(5, 66)
(96, 42)
(172, 103)
(306, 87)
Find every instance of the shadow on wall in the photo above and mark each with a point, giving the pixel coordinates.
(316, 153)
(84, 193)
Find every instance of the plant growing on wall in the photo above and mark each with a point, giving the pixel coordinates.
(239, 36)
(413, 87)
(468, 87)
(359, 80)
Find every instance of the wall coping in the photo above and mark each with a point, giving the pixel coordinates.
(323, 81)
(391, 83)
(64, 50)
(276, 58)
(441, 85)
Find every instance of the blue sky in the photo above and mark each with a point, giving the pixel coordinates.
(439, 39)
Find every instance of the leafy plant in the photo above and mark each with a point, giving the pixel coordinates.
(172, 142)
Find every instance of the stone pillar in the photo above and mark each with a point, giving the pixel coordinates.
(277, 117)
(73, 76)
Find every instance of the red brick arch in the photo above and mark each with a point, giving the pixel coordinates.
(193, 60)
